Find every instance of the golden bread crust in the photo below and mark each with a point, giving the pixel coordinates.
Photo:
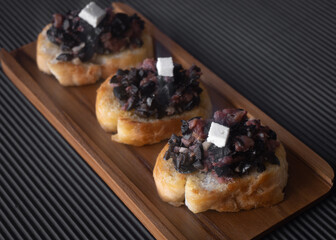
(202, 191)
(137, 131)
(73, 73)
(170, 183)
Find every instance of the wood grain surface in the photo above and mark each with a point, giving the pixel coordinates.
(128, 170)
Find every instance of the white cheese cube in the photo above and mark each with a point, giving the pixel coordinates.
(92, 14)
(165, 67)
(218, 134)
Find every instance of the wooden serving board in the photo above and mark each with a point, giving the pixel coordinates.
(128, 170)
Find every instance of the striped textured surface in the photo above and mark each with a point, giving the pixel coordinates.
(279, 54)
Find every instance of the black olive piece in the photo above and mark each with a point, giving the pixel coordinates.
(249, 133)
(188, 169)
(65, 57)
(131, 102)
(161, 81)
(216, 151)
(171, 148)
(179, 161)
(142, 113)
(52, 35)
(184, 127)
(187, 136)
(120, 72)
(226, 150)
(273, 159)
(260, 167)
(136, 18)
(198, 90)
(124, 81)
(225, 171)
(142, 107)
(147, 88)
(171, 89)
(81, 36)
(198, 151)
(174, 140)
(179, 77)
(183, 163)
(114, 79)
(207, 128)
(119, 25)
(142, 73)
(195, 68)
(250, 130)
(244, 167)
(133, 89)
(212, 148)
(164, 94)
(177, 66)
(167, 155)
(194, 85)
(198, 164)
(120, 93)
(272, 134)
(98, 30)
(253, 153)
(67, 45)
(195, 101)
(86, 53)
(137, 42)
(162, 97)
(239, 142)
(189, 105)
(132, 73)
(238, 129)
(259, 146)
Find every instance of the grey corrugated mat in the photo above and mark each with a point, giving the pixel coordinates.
(279, 54)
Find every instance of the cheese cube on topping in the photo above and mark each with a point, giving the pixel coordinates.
(218, 134)
(165, 67)
(92, 14)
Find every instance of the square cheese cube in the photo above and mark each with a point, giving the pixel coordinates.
(92, 14)
(165, 67)
(218, 134)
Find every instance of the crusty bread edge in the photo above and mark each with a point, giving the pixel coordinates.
(137, 131)
(71, 74)
(170, 184)
(250, 191)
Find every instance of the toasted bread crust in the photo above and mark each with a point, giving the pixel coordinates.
(170, 183)
(137, 131)
(102, 66)
(202, 191)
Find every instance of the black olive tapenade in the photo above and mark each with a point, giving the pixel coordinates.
(249, 146)
(156, 96)
(77, 38)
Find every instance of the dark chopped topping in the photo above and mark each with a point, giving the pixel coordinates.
(243, 143)
(120, 93)
(114, 33)
(65, 57)
(184, 127)
(249, 146)
(156, 96)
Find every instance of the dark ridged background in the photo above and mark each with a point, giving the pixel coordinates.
(281, 55)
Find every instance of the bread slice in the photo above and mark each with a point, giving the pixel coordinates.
(75, 73)
(134, 130)
(201, 191)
